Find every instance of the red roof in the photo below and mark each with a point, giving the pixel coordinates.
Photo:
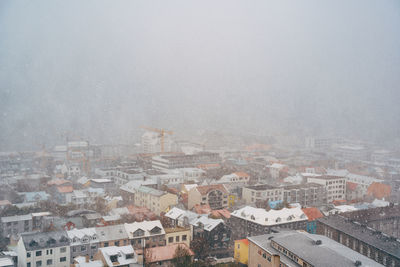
(379, 190)
(205, 189)
(65, 189)
(221, 213)
(165, 253)
(242, 174)
(312, 213)
(244, 241)
(58, 182)
(351, 186)
(4, 202)
(202, 209)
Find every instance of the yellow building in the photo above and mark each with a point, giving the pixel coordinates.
(242, 251)
(231, 200)
(178, 235)
(155, 200)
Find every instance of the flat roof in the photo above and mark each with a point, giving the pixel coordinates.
(363, 233)
(329, 253)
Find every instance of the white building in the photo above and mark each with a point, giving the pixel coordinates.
(44, 249)
(335, 186)
(117, 256)
(275, 170)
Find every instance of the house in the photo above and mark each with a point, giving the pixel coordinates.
(312, 214)
(44, 249)
(181, 218)
(216, 196)
(155, 200)
(83, 242)
(238, 179)
(178, 235)
(241, 252)
(367, 241)
(63, 193)
(15, 225)
(86, 262)
(299, 248)
(105, 184)
(216, 233)
(249, 221)
(113, 235)
(117, 256)
(307, 195)
(163, 256)
(146, 233)
(34, 196)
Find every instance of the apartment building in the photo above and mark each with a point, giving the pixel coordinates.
(381, 248)
(178, 235)
(216, 233)
(155, 200)
(184, 161)
(15, 225)
(250, 221)
(216, 196)
(146, 233)
(261, 193)
(44, 249)
(83, 242)
(113, 235)
(335, 186)
(298, 248)
(307, 195)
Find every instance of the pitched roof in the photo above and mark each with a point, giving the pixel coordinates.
(4, 202)
(244, 241)
(242, 174)
(146, 226)
(205, 189)
(112, 232)
(221, 213)
(379, 190)
(65, 189)
(272, 217)
(166, 253)
(58, 182)
(312, 213)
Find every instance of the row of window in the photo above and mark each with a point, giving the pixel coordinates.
(38, 253)
(177, 238)
(48, 262)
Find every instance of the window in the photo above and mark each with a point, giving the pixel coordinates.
(184, 237)
(63, 250)
(105, 244)
(177, 238)
(170, 239)
(38, 253)
(28, 254)
(39, 263)
(63, 259)
(28, 264)
(83, 248)
(116, 243)
(49, 262)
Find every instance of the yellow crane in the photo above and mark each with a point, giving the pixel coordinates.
(162, 133)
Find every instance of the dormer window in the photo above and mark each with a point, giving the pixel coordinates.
(278, 219)
(156, 230)
(252, 217)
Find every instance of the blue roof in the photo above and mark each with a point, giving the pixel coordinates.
(273, 204)
(36, 196)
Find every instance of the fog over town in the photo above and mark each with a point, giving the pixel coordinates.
(198, 133)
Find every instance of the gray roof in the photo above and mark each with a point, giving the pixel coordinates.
(112, 232)
(365, 234)
(262, 187)
(37, 241)
(16, 218)
(302, 244)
